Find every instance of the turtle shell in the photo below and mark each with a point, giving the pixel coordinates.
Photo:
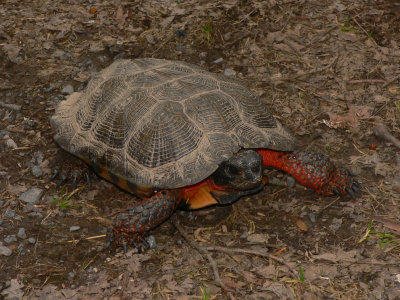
(164, 124)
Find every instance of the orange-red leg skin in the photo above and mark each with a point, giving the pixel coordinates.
(198, 195)
(312, 170)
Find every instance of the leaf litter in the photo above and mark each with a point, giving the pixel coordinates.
(328, 70)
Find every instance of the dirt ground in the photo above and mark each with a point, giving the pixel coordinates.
(329, 70)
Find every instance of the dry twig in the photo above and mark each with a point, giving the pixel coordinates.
(253, 252)
(203, 251)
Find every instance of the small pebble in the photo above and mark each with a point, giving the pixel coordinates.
(32, 240)
(230, 72)
(5, 251)
(28, 208)
(74, 228)
(11, 144)
(21, 233)
(311, 216)
(151, 240)
(336, 223)
(9, 214)
(290, 181)
(218, 61)
(10, 239)
(71, 275)
(36, 171)
(32, 195)
(38, 155)
(67, 90)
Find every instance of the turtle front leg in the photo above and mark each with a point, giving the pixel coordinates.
(313, 170)
(132, 225)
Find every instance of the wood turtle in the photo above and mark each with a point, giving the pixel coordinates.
(176, 135)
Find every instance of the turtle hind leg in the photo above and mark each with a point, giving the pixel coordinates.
(313, 170)
(132, 225)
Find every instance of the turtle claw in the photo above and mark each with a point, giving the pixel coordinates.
(125, 247)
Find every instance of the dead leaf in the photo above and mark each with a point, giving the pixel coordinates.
(340, 255)
(12, 51)
(351, 119)
(16, 189)
(93, 10)
(301, 226)
(393, 225)
(121, 16)
(258, 238)
(250, 277)
(96, 46)
(167, 21)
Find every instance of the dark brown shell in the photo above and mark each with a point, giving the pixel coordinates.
(164, 124)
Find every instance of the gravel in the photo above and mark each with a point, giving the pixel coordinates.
(10, 239)
(74, 228)
(21, 233)
(32, 195)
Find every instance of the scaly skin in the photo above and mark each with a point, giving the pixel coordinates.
(313, 170)
(132, 225)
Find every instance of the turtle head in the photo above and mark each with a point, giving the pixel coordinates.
(243, 171)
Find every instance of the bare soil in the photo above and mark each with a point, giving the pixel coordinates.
(329, 70)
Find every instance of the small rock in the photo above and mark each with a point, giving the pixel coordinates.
(21, 233)
(32, 195)
(28, 208)
(67, 90)
(74, 228)
(230, 72)
(9, 214)
(151, 240)
(290, 181)
(11, 144)
(38, 155)
(32, 240)
(36, 171)
(244, 235)
(336, 223)
(13, 290)
(5, 251)
(202, 54)
(218, 61)
(311, 216)
(71, 275)
(10, 239)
